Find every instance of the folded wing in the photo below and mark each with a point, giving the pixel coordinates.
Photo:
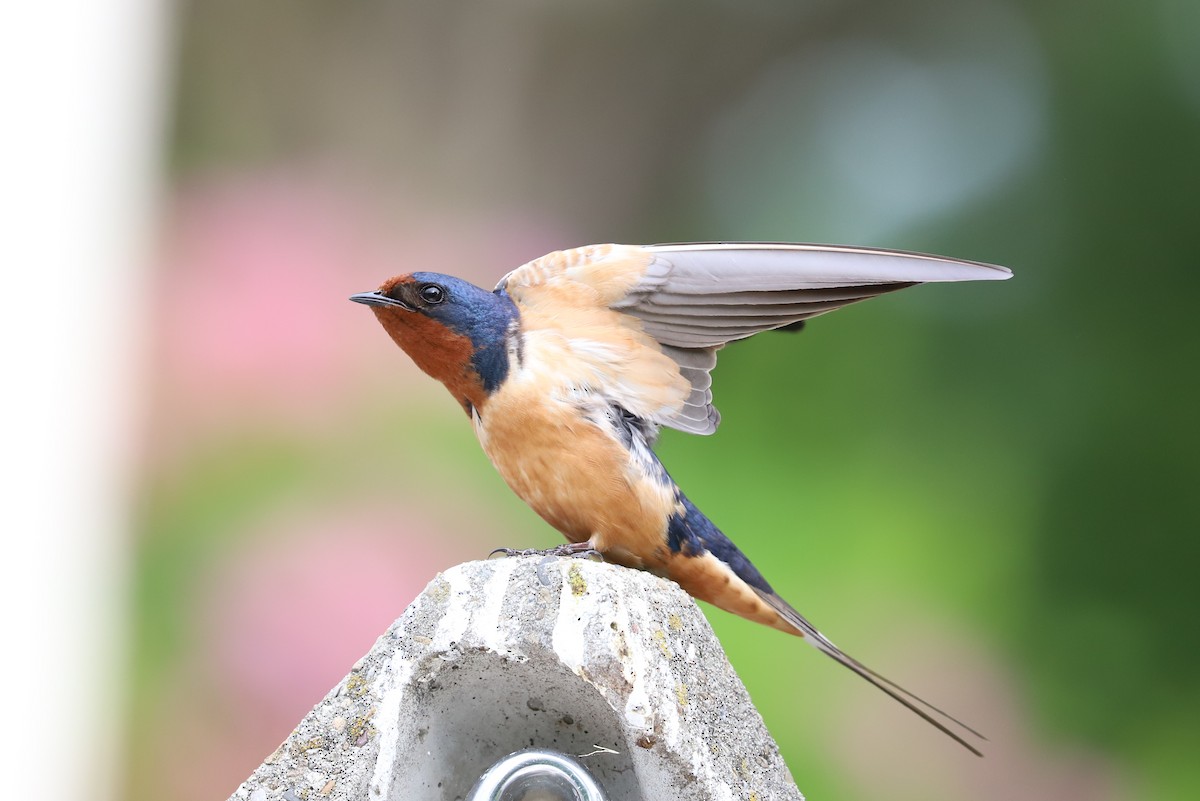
(691, 299)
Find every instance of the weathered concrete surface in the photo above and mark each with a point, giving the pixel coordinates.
(586, 658)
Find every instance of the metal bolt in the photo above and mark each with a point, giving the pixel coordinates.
(537, 775)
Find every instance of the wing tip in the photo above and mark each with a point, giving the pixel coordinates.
(983, 271)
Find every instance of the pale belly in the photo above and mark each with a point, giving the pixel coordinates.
(577, 476)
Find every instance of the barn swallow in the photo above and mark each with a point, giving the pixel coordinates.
(569, 368)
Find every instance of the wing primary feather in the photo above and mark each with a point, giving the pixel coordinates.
(782, 267)
(998, 272)
(907, 698)
(756, 323)
(776, 297)
(692, 358)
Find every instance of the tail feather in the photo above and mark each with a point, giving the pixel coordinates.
(931, 714)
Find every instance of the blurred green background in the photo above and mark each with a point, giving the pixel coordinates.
(985, 491)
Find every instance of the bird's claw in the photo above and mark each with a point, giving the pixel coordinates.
(570, 549)
(502, 553)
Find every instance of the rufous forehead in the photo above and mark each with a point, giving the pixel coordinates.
(395, 281)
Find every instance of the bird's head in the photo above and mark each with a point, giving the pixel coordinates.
(455, 331)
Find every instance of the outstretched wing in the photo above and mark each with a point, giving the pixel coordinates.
(686, 301)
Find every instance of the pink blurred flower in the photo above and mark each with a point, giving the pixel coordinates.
(286, 616)
(280, 622)
(251, 296)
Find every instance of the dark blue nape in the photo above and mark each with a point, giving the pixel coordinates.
(482, 316)
(691, 533)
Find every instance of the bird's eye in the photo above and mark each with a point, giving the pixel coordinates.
(432, 293)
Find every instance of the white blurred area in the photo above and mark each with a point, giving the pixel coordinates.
(82, 87)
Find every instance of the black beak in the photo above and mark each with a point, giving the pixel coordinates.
(377, 299)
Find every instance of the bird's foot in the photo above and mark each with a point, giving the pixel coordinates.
(579, 550)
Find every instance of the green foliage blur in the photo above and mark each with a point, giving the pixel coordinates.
(985, 491)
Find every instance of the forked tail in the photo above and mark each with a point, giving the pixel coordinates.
(939, 719)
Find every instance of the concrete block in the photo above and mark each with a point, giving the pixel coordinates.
(616, 667)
